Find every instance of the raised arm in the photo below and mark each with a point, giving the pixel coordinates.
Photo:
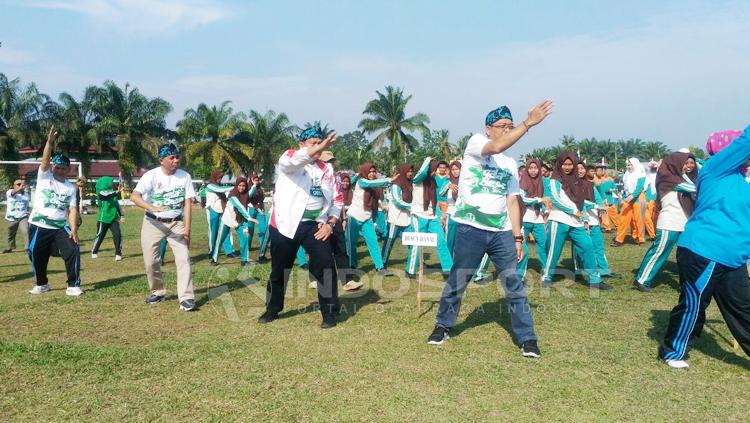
(423, 171)
(398, 198)
(561, 203)
(48, 147)
(536, 115)
(374, 183)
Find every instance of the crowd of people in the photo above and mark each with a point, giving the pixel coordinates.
(481, 208)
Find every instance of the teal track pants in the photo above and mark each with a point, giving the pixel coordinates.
(301, 257)
(557, 234)
(381, 224)
(242, 234)
(214, 226)
(657, 255)
(597, 240)
(450, 233)
(355, 228)
(540, 240)
(420, 224)
(394, 233)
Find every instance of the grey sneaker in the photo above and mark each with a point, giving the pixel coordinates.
(153, 299)
(188, 305)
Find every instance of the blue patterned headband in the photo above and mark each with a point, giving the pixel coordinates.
(167, 150)
(311, 132)
(60, 160)
(502, 112)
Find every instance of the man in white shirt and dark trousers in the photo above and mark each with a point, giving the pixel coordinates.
(17, 214)
(166, 193)
(489, 221)
(53, 225)
(305, 211)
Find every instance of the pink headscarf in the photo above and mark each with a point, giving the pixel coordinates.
(718, 140)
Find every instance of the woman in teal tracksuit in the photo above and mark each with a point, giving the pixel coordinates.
(532, 194)
(257, 211)
(451, 194)
(425, 217)
(359, 217)
(399, 208)
(675, 186)
(567, 219)
(215, 202)
(593, 209)
(239, 201)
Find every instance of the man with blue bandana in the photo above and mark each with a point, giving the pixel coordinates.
(306, 207)
(54, 221)
(489, 222)
(166, 193)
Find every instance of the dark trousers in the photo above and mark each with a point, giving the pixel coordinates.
(700, 280)
(338, 245)
(283, 253)
(52, 242)
(101, 232)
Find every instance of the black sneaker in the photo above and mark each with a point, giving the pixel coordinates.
(262, 259)
(615, 244)
(641, 287)
(268, 317)
(530, 349)
(188, 305)
(438, 336)
(328, 322)
(411, 275)
(612, 276)
(231, 255)
(602, 286)
(7, 251)
(305, 267)
(153, 299)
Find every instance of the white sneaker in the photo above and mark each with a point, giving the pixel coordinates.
(353, 286)
(39, 289)
(677, 364)
(74, 291)
(94, 255)
(118, 258)
(313, 285)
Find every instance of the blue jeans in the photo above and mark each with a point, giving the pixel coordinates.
(501, 248)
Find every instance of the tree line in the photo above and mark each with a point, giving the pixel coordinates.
(133, 125)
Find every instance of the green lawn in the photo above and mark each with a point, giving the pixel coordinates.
(107, 356)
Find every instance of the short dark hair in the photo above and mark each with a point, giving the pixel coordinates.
(442, 162)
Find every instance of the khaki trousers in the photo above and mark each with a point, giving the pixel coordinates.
(152, 233)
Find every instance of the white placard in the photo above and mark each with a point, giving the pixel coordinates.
(420, 239)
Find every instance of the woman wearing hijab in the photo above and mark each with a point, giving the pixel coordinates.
(532, 194)
(451, 188)
(257, 211)
(359, 219)
(595, 209)
(399, 208)
(567, 219)
(238, 208)
(712, 262)
(110, 216)
(631, 218)
(649, 207)
(425, 216)
(675, 186)
(216, 200)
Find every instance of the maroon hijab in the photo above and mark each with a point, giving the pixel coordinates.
(257, 198)
(453, 180)
(372, 195)
(243, 197)
(403, 182)
(348, 192)
(669, 175)
(429, 187)
(533, 187)
(571, 184)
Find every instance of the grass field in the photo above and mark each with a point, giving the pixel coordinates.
(107, 356)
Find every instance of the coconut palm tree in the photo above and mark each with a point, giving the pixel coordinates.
(23, 111)
(386, 115)
(654, 150)
(131, 121)
(218, 135)
(270, 135)
(76, 121)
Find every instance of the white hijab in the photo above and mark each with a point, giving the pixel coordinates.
(630, 179)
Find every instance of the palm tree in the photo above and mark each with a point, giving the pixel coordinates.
(654, 150)
(218, 136)
(23, 111)
(568, 142)
(271, 134)
(462, 143)
(387, 115)
(77, 122)
(132, 121)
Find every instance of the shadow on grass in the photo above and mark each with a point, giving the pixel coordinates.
(710, 342)
(489, 312)
(26, 276)
(350, 305)
(109, 283)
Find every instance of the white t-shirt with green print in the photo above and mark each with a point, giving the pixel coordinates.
(483, 186)
(167, 191)
(52, 199)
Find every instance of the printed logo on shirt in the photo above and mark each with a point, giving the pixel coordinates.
(172, 200)
(489, 180)
(53, 200)
(315, 189)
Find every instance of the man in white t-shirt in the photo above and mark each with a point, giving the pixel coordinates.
(166, 193)
(53, 225)
(17, 214)
(489, 221)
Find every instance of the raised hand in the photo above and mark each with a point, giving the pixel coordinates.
(539, 112)
(395, 178)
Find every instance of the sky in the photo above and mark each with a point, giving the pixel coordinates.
(670, 70)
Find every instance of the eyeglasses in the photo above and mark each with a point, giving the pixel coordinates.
(18, 184)
(503, 126)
